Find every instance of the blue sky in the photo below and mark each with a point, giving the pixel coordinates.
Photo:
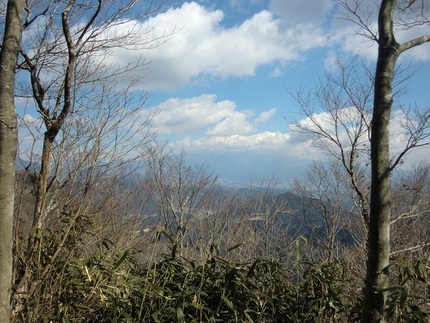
(221, 80)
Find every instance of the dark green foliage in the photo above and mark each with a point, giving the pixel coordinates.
(409, 296)
(109, 285)
(51, 267)
(100, 289)
(325, 294)
(218, 291)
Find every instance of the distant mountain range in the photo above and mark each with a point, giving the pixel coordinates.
(239, 169)
(238, 182)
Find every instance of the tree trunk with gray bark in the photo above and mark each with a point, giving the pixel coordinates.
(8, 147)
(378, 258)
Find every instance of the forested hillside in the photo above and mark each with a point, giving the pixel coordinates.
(142, 251)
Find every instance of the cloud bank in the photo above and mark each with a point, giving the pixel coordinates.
(206, 124)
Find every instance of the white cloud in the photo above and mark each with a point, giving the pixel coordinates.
(204, 123)
(202, 46)
(398, 135)
(278, 144)
(184, 116)
(264, 116)
(263, 141)
(356, 44)
(28, 119)
(204, 115)
(331, 62)
(236, 123)
(293, 144)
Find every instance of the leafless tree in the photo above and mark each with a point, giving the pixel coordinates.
(67, 44)
(381, 22)
(267, 209)
(410, 214)
(181, 192)
(392, 16)
(217, 225)
(65, 64)
(96, 151)
(337, 120)
(8, 146)
(327, 212)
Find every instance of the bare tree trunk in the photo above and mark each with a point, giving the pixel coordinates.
(380, 198)
(42, 185)
(8, 147)
(21, 289)
(377, 283)
(378, 256)
(53, 126)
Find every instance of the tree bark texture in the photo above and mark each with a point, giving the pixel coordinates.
(8, 147)
(378, 257)
(389, 50)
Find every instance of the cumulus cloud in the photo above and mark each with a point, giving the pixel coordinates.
(263, 141)
(294, 144)
(201, 45)
(399, 134)
(274, 143)
(30, 121)
(205, 115)
(197, 42)
(184, 116)
(402, 124)
(418, 53)
(206, 123)
(236, 123)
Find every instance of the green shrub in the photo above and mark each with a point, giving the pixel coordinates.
(325, 293)
(409, 296)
